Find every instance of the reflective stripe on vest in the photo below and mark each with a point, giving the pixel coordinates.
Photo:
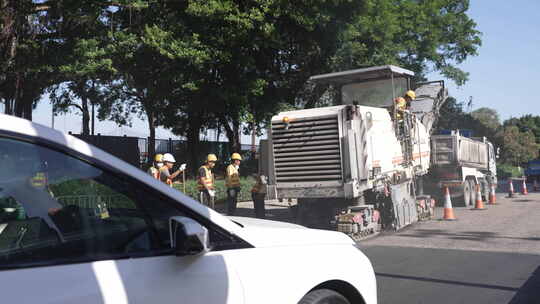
(232, 178)
(39, 180)
(209, 179)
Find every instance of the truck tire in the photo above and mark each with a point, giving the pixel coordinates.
(485, 190)
(324, 296)
(467, 193)
(473, 192)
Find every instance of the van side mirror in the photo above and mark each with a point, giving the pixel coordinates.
(188, 237)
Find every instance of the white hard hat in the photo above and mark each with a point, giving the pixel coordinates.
(167, 157)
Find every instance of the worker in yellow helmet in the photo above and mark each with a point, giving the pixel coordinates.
(205, 182)
(409, 96)
(156, 165)
(400, 106)
(232, 181)
(258, 194)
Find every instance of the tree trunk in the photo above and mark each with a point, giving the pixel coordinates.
(85, 116)
(194, 142)
(152, 139)
(233, 133)
(236, 144)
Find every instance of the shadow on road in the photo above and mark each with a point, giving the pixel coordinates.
(467, 235)
(530, 291)
(282, 214)
(432, 280)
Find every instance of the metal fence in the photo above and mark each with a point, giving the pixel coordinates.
(134, 150)
(94, 201)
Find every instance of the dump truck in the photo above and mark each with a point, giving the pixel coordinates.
(357, 166)
(461, 163)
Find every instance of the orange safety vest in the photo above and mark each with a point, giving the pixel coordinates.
(209, 179)
(232, 177)
(39, 180)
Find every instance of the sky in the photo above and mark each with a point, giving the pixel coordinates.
(504, 76)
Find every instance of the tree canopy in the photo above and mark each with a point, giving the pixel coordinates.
(223, 64)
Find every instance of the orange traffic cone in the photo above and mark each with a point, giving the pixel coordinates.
(448, 211)
(510, 188)
(479, 203)
(492, 197)
(524, 188)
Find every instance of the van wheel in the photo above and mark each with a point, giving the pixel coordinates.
(323, 296)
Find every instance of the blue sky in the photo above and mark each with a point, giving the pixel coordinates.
(506, 73)
(504, 76)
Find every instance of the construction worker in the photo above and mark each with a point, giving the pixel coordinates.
(205, 182)
(156, 165)
(400, 106)
(165, 171)
(232, 181)
(409, 96)
(258, 193)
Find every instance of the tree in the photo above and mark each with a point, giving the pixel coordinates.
(526, 123)
(86, 72)
(419, 35)
(488, 117)
(452, 117)
(27, 54)
(262, 53)
(518, 147)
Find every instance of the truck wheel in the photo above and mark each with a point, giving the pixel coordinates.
(323, 296)
(466, 193)
(472, 186)
(485, 190)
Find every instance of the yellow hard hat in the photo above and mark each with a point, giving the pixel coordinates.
(211, 157)
(158, 158)
(411, 94)
(236, 156)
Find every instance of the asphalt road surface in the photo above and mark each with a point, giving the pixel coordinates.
(489, 256)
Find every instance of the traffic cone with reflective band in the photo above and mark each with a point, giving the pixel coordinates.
(524, 188)
(448, 211)
(510, 188)
(479, 205)
(492, 197)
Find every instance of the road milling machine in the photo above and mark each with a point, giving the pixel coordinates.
(357, 166)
